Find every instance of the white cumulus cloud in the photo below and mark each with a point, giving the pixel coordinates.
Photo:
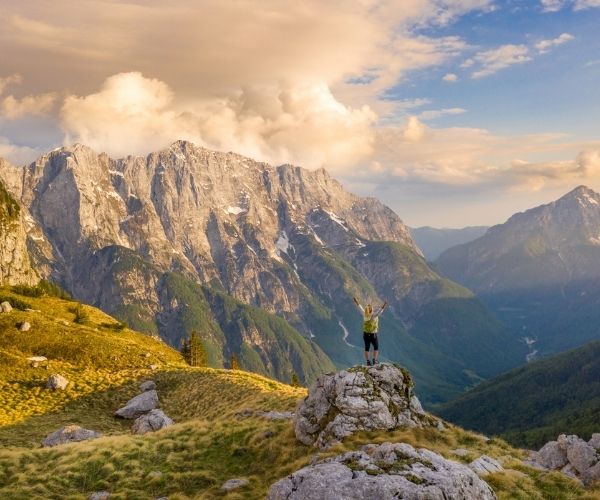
(301, 123)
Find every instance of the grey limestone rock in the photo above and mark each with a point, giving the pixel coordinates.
(388, 471)
(147, 385)
(486, 465)
(57, 382)
(360, 398)
(152, 421)
(233, 484)
(69, 434)
(140, 404)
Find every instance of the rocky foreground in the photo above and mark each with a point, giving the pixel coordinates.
(365, 399)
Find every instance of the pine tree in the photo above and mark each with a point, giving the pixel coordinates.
(234, 364)
(193, 350)
(295, 382)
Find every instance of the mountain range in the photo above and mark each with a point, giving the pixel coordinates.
(539, 271)
(263, 261)
(434, 241)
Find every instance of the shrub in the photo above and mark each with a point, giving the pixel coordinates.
(81, 315)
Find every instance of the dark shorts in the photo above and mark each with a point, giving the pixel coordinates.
(371, 339)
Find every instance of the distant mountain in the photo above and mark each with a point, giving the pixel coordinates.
(263, 261)
(540, 271)
(433, 241)
(533, 404)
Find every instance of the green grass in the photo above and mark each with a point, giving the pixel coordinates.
(208, 445)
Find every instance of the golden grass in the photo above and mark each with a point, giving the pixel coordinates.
(208, 445)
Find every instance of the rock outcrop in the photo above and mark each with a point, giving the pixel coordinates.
(15, 264)
(386, 471)
(139, 405)
(57, 383)
(361, 398)
(152, 421)
(5, 307)
(571, 455)
(69, 434)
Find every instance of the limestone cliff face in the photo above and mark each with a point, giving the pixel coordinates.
(284, 239)
(15, 265)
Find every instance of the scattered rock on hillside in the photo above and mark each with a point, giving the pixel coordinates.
(139, 405)
(275, 415)
(390, 470)
(69, 434)
(460, 452)
(572, 455)
(148, 385)
(57, 382)
(5, 307)
(233, 484)
(360, 398)
(486, 465)
(99, 495)
(25, 326)
(152, 421)
(153, 367)
(34, 361)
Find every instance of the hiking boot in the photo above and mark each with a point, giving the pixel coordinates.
(375, 362)
(368, 362)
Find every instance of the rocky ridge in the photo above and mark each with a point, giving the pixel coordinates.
(177, 239)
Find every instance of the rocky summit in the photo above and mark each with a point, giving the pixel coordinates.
(249, 254)
(387, 471)
(379, 397)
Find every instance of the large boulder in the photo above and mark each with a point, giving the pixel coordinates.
(360, 398)
(387, 471)
(580, 454)
(57, 382)
(152, 421)
(551, 456)
(69, 434)
(139, 405)
(5, 307)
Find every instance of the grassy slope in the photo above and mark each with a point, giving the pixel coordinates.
(534, 404)
(207, 446)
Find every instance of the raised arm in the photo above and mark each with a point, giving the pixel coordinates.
(382, 308)
(355, 300)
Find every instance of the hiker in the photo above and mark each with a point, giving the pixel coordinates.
(370, 328)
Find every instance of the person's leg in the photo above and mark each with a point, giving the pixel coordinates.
(375, 349)
(367, 346)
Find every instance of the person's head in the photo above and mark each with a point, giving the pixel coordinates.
(369, 309)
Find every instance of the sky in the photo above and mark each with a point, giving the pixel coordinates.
(452, 112)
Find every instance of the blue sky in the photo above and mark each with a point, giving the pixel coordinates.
(453, 112)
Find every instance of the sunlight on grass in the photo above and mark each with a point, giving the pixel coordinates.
(210, 442)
